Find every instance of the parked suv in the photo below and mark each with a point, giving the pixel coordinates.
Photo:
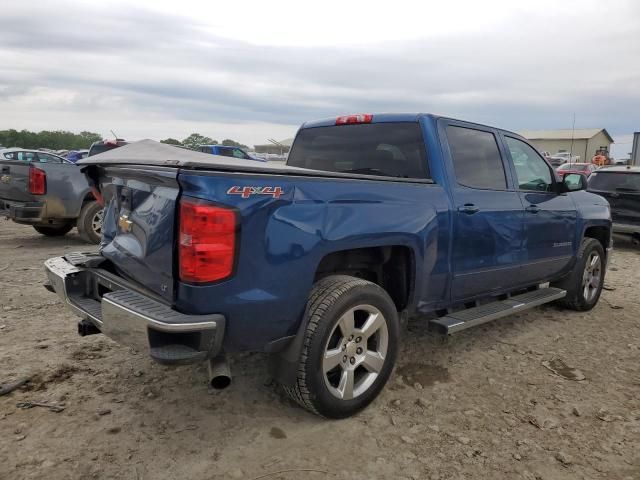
(621, 187)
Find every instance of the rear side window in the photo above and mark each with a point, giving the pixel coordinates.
(388, 149)
(46, 158)
(476, 158)
(25, 156)
(615, 182)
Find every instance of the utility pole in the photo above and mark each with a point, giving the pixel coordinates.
(573, 131)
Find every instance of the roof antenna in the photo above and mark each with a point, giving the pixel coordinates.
(114, 134)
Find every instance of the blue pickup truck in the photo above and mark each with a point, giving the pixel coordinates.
(373, 219)
(227, 151)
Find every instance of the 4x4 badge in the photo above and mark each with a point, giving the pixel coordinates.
(246, 192)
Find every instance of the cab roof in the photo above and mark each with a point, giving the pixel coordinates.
(402, 117)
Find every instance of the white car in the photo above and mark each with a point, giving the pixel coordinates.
(563, 157)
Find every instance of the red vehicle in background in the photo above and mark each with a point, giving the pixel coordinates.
(585, 169)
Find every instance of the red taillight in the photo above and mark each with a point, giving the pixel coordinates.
(207, 241)
(37, 181)
(351, 119)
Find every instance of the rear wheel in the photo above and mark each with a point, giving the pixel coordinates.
(350, 347)
(53, 231)
(584, 283)
(90, 222)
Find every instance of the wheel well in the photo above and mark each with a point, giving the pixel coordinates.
(602, 234)
(88, 198)
(389, 266)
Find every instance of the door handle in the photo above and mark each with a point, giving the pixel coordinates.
(468, 208)
(533, 209)
(5, 169)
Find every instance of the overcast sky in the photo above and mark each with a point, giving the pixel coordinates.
(252, 71)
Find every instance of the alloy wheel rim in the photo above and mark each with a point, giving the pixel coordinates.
(355, 352)
(96, 222)
(591, 277)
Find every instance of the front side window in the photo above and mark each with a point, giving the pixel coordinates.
(532, 171)
(476, 158)
(239, 153)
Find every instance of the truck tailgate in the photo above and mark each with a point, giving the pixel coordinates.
(14, 181)
(139, 224)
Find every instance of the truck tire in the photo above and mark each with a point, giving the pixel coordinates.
(51, 231)
(584, 283)
(90, 222)
(350, 347)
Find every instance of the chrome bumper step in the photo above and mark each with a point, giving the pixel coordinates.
(458, 321)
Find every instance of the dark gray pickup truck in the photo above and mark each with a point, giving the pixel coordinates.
(48, 192)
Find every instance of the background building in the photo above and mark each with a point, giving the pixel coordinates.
(585, 141)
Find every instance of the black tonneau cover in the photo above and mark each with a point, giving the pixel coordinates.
(150, 152)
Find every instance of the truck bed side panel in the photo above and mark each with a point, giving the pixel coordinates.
(282, 241)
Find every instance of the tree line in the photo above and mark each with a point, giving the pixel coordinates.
(55, 140)
(195, 139)
(65, 140)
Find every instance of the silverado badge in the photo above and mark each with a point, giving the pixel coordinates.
(124, 223)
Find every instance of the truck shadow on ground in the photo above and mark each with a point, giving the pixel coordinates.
(425, 358)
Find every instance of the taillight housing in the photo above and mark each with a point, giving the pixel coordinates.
(354, 119)
(37, 181)
(207, 242)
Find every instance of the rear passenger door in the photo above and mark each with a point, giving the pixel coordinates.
(488, 213)
(550, 217)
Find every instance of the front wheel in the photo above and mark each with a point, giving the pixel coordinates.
(584, 283)
(350, 347)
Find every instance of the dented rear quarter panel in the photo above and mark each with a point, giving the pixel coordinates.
(282, 241)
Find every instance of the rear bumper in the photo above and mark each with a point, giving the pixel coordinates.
(130, 317)
(23, 212)
(625, 228)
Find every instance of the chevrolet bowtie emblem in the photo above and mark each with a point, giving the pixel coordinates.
(124, 223)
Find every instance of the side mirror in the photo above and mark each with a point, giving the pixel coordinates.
(573, 182)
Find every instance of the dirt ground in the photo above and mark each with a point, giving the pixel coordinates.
(480, 405)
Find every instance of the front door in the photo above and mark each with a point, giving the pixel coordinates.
(487, 221)
(549, 219)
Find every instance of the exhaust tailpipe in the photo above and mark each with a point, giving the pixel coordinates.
(85, 327)
(219, 373)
